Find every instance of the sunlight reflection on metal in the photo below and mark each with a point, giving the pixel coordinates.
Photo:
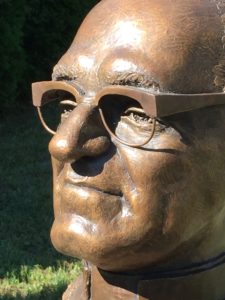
(79, 224)
(127, 32)
(86, 62)
(121, 65)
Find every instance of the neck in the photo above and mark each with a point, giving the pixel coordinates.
(198, 281)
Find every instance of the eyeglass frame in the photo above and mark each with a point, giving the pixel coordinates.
(156, 105)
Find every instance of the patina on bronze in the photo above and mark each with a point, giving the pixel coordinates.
(138, 158)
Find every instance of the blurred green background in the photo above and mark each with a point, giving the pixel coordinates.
(33, 36)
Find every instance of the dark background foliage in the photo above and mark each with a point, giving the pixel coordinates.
(33, 36)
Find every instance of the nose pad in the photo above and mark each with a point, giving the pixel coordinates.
(81, 134)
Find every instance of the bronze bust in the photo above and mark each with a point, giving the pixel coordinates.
(139, 154)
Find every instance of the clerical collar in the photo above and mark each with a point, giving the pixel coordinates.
(182, 271)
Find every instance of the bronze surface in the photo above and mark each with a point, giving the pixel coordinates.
(133, 210)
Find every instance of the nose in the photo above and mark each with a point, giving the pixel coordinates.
(81, 134)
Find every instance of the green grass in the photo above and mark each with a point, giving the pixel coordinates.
(29, 266)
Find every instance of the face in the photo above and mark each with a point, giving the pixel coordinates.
(118, 206)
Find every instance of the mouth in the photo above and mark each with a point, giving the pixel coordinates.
(84, 199)
(89, 188)
(92, 188)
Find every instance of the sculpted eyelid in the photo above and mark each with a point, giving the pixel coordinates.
(69, 102)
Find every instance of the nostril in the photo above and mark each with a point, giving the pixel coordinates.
(93, 166)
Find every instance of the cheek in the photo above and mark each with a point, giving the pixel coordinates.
(170, 186)
(153, 173)
(161, 163)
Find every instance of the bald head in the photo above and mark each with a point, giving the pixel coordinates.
(176, 47)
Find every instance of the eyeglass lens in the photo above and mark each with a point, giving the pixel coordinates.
(58, 108)
(126, 119)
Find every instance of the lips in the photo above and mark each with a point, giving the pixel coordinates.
(78, 197)
(90, 186)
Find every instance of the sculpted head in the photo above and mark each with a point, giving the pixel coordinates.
(124, 207)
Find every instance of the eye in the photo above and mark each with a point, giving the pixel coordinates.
(138, 117)
(66, 107)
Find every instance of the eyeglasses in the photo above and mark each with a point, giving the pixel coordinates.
(129, 114)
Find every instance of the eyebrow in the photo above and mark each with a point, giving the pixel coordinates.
(136, 79)
(62, 72)
(132, 79)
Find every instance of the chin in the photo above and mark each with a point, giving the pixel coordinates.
(80, 238)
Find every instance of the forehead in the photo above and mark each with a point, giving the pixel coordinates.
(174, 44)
